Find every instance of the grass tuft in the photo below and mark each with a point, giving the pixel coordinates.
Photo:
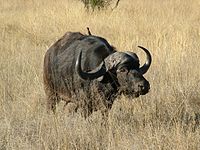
(166, 118)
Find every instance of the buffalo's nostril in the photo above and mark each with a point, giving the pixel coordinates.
(141, 87)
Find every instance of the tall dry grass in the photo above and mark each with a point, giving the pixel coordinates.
(166, 118)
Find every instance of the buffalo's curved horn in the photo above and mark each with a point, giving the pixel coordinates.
(147, 64)
(94, 74)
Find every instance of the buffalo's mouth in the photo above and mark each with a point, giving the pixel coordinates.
(137, 94)
(144, 92)
(134, 94)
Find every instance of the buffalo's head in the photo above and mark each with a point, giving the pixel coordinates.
(123, 69)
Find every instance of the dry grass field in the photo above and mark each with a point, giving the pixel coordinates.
(166, 118)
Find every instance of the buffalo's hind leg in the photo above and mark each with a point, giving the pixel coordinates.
(70, 108)
(52, 101)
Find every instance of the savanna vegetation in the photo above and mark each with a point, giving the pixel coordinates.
(166, 118)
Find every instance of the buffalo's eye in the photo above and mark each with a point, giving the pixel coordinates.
(123, 69)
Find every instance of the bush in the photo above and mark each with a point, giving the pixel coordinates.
(96, 4)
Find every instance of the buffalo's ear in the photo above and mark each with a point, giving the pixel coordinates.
(100, 78)
(105, 78)
(122, 70)
(108, 76)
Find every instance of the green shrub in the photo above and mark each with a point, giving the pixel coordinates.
(96, 4)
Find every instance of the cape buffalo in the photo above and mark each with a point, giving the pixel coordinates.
(78, 63)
